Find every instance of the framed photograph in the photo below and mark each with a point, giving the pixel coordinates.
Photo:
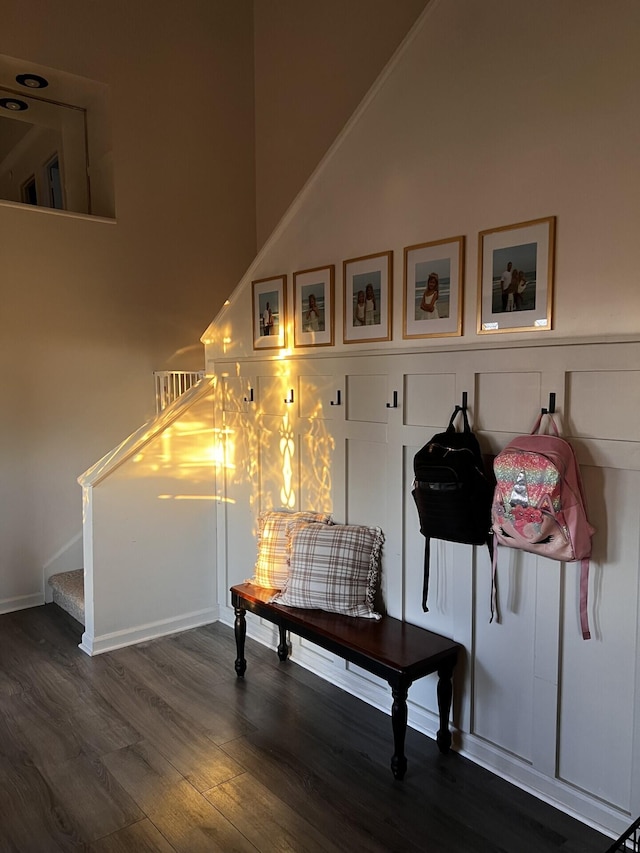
(367, 298)
(433, 288)
(515, 277)
(269, 312)
(313, 307)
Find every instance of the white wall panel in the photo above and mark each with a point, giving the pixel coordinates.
(234, 393)
(240, 499)
(321, 468)
(367, 486)
(604, 404)
(367, 398)
(598, 677)
(367, 494)
(316, 395)
(427, 398)
(503, 659)
(272, 393)
(278, 462)
(151, 537)
(505, 401)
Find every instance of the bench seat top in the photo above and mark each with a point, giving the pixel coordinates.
(394, 644)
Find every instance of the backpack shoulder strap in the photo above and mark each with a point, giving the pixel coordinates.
(425, 579)
(538, 423)
(493, 553)
(465, 419)
(584, 593)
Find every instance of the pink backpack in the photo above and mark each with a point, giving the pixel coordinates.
(539, 506)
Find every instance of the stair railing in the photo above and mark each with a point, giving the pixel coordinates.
(629, 841)
(171, 384)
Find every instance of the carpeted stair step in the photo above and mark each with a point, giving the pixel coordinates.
(68, 592)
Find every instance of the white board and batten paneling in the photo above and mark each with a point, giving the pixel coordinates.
(533, 702)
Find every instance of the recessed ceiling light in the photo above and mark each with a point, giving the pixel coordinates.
(32, 81)
(13, 104)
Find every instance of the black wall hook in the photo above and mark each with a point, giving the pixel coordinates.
(249, 399)
(338, 400)
(552, 405)
(393, 405)
(463, 407)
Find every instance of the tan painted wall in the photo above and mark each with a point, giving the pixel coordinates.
(94, 308)
(455, 141)
(89, 309)
(313, 64)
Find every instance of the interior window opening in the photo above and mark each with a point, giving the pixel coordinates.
(54, 183)
(29, 191)
(55, 140)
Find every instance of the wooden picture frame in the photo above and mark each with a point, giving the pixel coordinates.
(433, 289)
(313, 309)
(525, 252)
(269, 312)
(368, 298)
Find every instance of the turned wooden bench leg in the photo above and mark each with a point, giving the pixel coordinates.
(399, 725)
(283, 646)
(240, 630)
(445, 691)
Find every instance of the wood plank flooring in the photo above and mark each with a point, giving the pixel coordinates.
(158, 747)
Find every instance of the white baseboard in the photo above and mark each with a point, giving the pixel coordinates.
(97, 645)
(21, 602)
(561, 795)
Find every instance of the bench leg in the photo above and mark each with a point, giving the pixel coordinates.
(283, 647)
(445, 690)
(399, 725)
(240, 630)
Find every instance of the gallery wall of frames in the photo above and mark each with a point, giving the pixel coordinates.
(514, 292)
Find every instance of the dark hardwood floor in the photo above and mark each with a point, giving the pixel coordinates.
(158, 747)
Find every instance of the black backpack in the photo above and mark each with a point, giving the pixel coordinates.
(452, 491)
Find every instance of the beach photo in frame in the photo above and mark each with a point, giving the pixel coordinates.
(368, 291)
(515, 277)
(313, 307)
(433, 288)
(269, 312)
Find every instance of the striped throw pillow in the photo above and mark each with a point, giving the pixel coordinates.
(272, 566)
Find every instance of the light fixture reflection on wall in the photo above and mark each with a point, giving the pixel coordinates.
(13, 104)
(32, 81)
(287, 450)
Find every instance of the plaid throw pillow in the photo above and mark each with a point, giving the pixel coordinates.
(333, 568)
(272, 565)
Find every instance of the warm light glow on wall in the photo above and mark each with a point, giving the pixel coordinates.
(275, 453)
(189, 448)
(221, 337)
(315, 476)
(216, 498)
(287, 450)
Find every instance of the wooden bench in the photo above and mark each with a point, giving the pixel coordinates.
(391, 649)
